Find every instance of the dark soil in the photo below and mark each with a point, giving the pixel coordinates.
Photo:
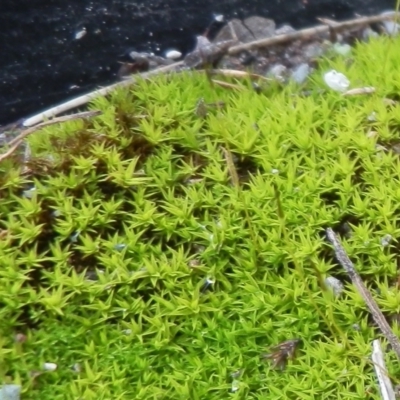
(42, 63)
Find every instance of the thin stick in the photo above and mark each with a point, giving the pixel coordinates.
(16, 142)
(231, 167)
(309, 32)
(302, 34)
(385, 385)
(377, 315)
(86, 98)
(238, 74)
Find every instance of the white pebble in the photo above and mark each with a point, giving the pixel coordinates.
(201, 42)
(336, 81)
(391, 27)
(219, 18)
(80, 34)
(385, 241)
(372, 117)
(342, 49)
(299, 75)
(335, 285)
(173, 54)
(49, 367)
(235, 386)
(10, 392)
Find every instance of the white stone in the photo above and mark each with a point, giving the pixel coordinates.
(336, 81)
(10, 392)
(80, 34)
(335, 285)
(300, 73)
(173, 54)
(49, 367)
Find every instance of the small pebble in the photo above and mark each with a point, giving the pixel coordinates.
(342, 49)
(372, 117)
(74, 237)
(194, 263)
(10, 392)
(278, 72)
(335, 285)
(235, 386)
(336, 81)
(300, 73)
(385, 241)
(207, 284)
(77, 368)
(51, 367)
(28, 194)
(173, 54)
(236, 374)
(80, 34)
(20, 338)
(391, 27)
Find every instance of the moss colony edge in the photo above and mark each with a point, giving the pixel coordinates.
(155, 252)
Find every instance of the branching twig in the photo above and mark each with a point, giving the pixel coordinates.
(379, 318)
(310, 32)
(16, 142)
(234, 49)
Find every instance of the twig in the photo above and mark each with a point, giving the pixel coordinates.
(231, 167)
(377, 315)
(16, 142)
(238, 74)
(309, 32)
(227, 85)
(86, 98)
(234, 49)
(385, 385)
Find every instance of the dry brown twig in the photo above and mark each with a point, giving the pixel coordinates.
(16, 142)
(231, 167)
(238, 74)
(360, 91)
(376, 313)
(227, 85)
(310, 32)
(233, 49)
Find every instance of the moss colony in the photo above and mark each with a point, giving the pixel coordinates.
(156, 252)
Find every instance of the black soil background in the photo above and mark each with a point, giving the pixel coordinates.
(42, 64)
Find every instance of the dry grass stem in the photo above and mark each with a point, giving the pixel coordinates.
(16, 142)
(239, 74)
(227, 85)
(231, 167)
(86, 98)
(310, 32)
(360, 91)
(385, 385)
(377, 315)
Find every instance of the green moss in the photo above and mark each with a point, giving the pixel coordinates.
(104, 262)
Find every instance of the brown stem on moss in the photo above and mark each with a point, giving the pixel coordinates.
(16, 142)
(377, 315)
(305, 34)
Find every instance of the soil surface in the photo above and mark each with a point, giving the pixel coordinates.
(52, 50)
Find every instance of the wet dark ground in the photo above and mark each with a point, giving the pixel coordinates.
(42, 64)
